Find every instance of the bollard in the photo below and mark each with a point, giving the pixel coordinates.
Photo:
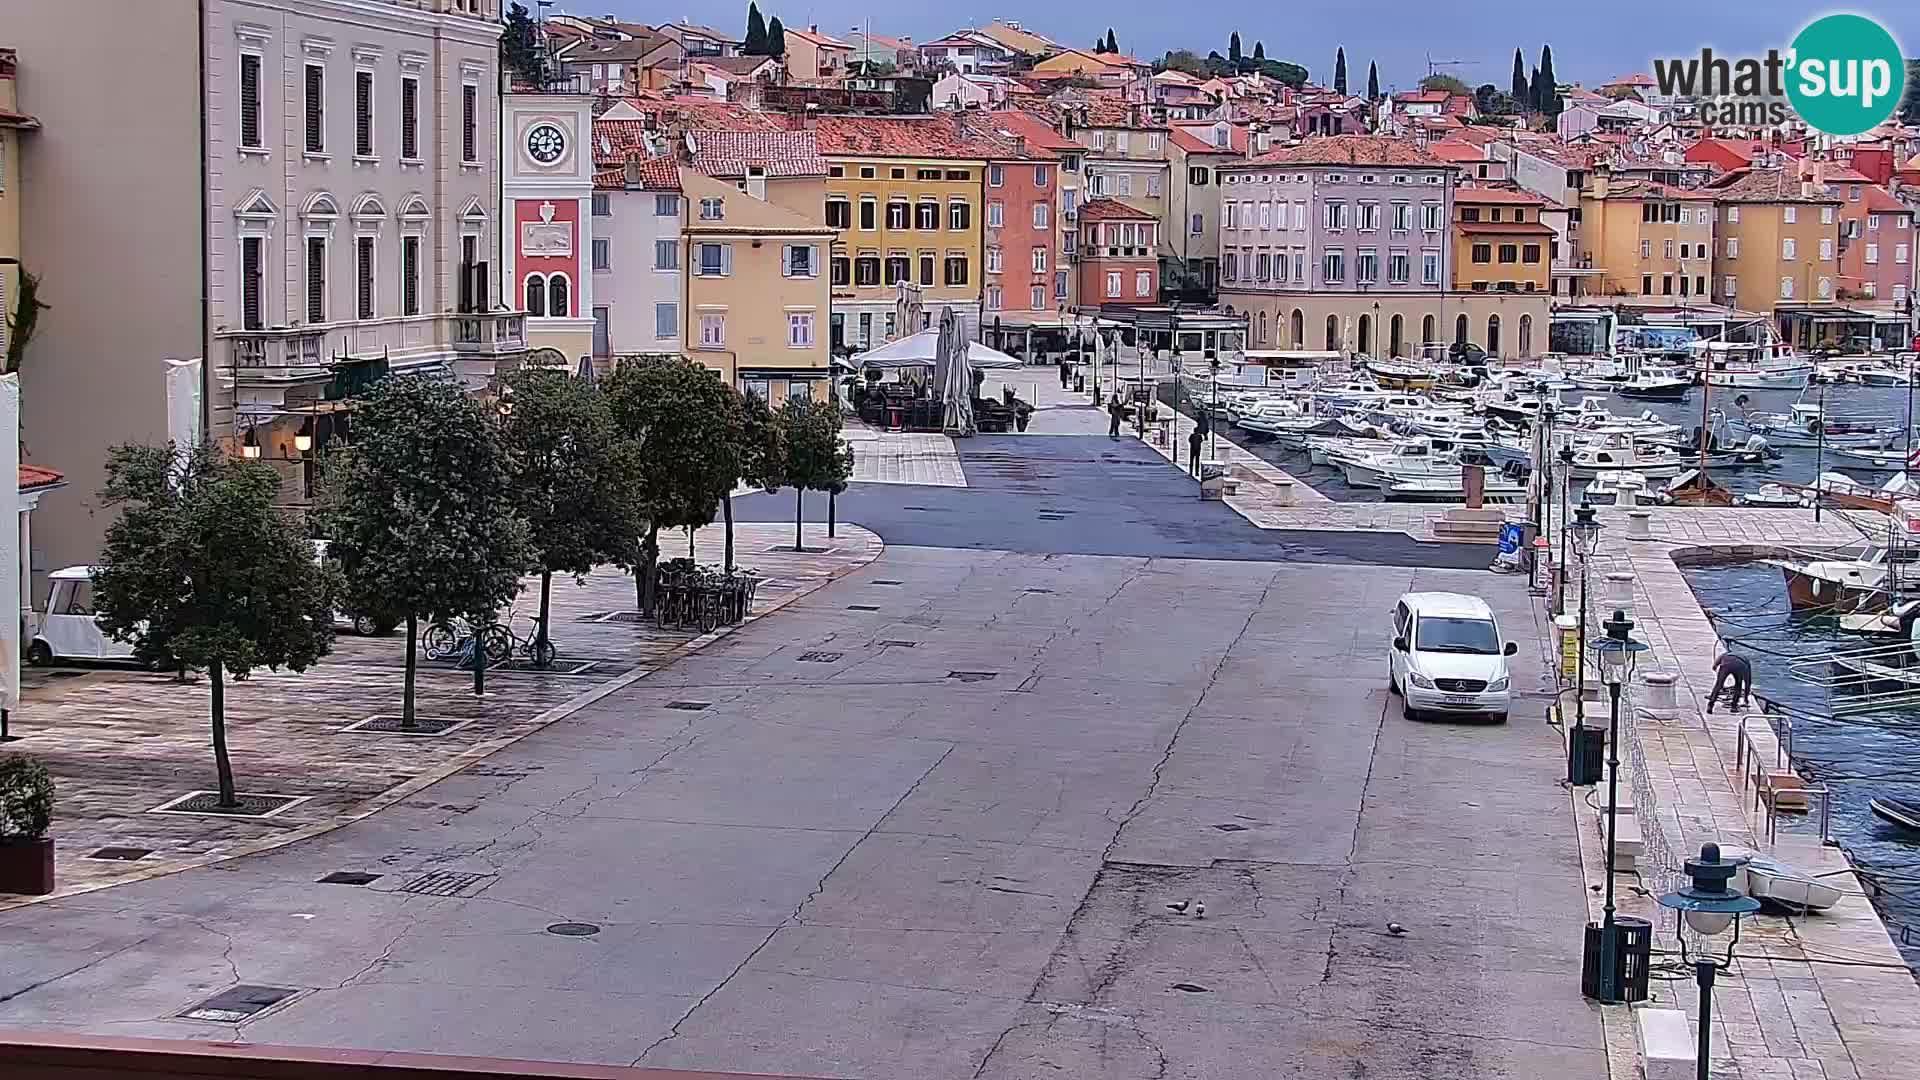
(1628, 497)
(1619, 592)
(1662, 701)
(1283, 492)
(1640, 525)
(1567, 629)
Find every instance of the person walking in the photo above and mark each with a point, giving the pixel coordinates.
(1195, 440)
(1066, 372)
(1736, 669)
(1115, 413)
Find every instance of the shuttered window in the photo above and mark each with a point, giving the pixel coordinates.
(252, 267)
(410, 119)
(316, 109)
(363, 273)
(250, 100)
(409, 275)
(363, 113)
(316, 279)
(469, 123)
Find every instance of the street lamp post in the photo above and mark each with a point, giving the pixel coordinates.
(1617, 654)
(1213, 413)
(1586, 537)
(1566, 520)
(1708, 907)
(1546, 473)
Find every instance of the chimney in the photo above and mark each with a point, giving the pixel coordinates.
(757, 182)
(633, 170)
(813, 28)
(1602, 184)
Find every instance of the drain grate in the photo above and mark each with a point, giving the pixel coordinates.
(447, 883)
(1048, 592)
(1231, 827)
(573, 929)
(863, 607)
(423, 726)
(885, 581)
(251, 805)
(1191, 988)
(121, 854)
(819, 657)
(891, 643)
(349, 877)
(239, 1003)
(972, 676)
(688, 706)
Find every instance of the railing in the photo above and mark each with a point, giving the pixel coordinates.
(494, 331)
(282, 348)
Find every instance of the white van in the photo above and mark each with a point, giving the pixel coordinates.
(67, 630)
(1448, 657)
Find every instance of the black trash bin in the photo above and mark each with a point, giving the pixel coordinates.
(1632, 958)
(1586, 754)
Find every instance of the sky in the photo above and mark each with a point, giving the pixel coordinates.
(1592, 41)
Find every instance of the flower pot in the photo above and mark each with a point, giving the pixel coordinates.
(26, 866)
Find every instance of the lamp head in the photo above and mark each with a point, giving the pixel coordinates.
(1708, 905)
(1586, 530)
(1618, 651)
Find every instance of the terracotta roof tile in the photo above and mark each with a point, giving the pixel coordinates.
(726, 155)
(1513, 227)
(1503, 196)
(656, 174)
(1351, 150)
(33, 476)
(1457, 150)
(1767, 186)
(941, 135)
(1038, 130)
(1880, 202)
(1111, 210)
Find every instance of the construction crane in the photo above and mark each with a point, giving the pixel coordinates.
(1434, 66)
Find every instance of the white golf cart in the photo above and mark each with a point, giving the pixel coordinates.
(67, 630)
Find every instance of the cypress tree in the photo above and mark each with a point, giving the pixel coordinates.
(1520, 84)
(1533, 92)
(1233, 48)
(1259, 51)
(1112, 45)
(1340, 70)
(776, 37)
(756, 44)
(1373, 81)
(1549, 86)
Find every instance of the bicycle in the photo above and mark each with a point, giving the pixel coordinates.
(538, 649)
(443, 641)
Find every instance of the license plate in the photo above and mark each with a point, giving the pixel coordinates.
(1458, 699)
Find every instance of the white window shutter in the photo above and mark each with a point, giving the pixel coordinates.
(726, 260)
(786, 260)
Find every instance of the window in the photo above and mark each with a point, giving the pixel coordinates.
(666, 254)
(1646, 249)
(1226, 214)
(1733, 247)
(1733, 215)
(1299, 266)
(1039, 260)
(1042, 215)
(1399, 267)
(1333, 267)
(957, 269)
(1826, 249)
(1369, 216)
(1899, 294)
(469, 123)
(1900, 254)
(1483, 253)
(363, 114)
(1790, 214)
(1113, 283)
(839, 213)
(558, 306)
(866, 269)
(1366, 265)
(897, 173)
(1826, 213)
(925, 216)
(1431, 218)
(666, 205)
(602, 253)
(1530, 253)
(996, 214)
(1197, 175)
(1143, 283)
(959, 216)
(993, 298)
(897, 214)
(959, 174)
(714, 259)
(1230, 266)
(409, 275)
(1262, 266)
(1826, 288)
(1197, 225)
(1666, 284)
(250, 135)
(1153, 184)
(666, 320)
(1787, 248)
(1469, 213)
(316, 279)
(1060, 285)
(253, 283)
(1040, 179)
(797, 261)
(1124, 184)
(316, 109)
(1729, 285)
(1120, 141)
(1402, 217)
(867, 173)
(926, 269)
(1873, 221)
(716, 210)
(993, 260)
(1646, 284)
(1153, 140)
(1509, 253)
(1700, 284)
(1786, 288)
(1667, 250)
(363, 276)
(799, 329)
(1037, 298)
(536, 294)
(409, 119)
(1266, 220)
(1336, 215)
(842, 270)
(713, 330)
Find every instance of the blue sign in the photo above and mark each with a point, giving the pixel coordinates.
(1509, 539)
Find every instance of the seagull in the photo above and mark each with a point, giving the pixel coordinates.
(1181, 906)
(1396, 929)
(1200, 909)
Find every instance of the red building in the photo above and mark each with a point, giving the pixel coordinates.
(1021, 236)
(1118, 260)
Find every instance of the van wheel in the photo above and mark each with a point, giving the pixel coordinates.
(1393, 684)
(39, 654)
(1408, 711)
(1499, 718)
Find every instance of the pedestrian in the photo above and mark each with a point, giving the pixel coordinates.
(1066, 372)
(1195, 439)
(1115, 413)
(1740, 672)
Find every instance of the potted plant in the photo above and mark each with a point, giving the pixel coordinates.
(26, 808)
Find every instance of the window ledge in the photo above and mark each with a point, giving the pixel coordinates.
(320, 156)
(260, 152)
(473, 166)
(363, 159)
(413, 163)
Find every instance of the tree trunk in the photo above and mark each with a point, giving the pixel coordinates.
(649, 569)
(726, 511)
(216, 675)
(799, 515)
(406, 696)
(546, 593)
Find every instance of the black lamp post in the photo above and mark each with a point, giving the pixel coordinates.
(1617, 653)
(1213, 414)
(1546, 472)
(1708, 907)
(1566, 519)
(1585, 534)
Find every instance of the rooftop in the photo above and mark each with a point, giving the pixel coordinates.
(817, 38)
(1767, 186)
(1351, 150)
(727, 155)
(1503, 196)
(649, 174)
(1512, 227)
(697, 30)
(941, 135)
(33, 476)
(1631, 189)
(1112, 210)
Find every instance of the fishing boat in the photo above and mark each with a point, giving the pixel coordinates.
(1401, 375)
(1405, 460)
(1623, 453)
(1860, 582)
(1803, 424)
(1744, 365)
(1655, 384)
(1902, 812)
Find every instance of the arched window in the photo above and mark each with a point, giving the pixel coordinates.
(1427, 329)
(1396, 339)
(1299, 329)
(1526, 336)
(1261, 337)
(1365, 343)
(1460, 330)
(1333, 333)
(536, 294)
(1493, 335)
(557, 297)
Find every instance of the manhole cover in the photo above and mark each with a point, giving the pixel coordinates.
(349, 877)
(121, 854)
(1231, 827)
(1191, 988)
(890, 644)
(447, 883)
(239, 1003)
(863, 607)
(573, 929)
(819, 657)
(688, 706)
(972, 676)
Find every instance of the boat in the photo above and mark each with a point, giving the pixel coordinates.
(1804, 425)
(1608, 487)
(1623, 453)
(1902, 812)
(1654, 384)
(1441, 488)
(1774, 883)
(1746, 365)
(1413, 458)
(1843, 585)
(1881, 375)
(1778, 496)
(1401, 375)
(1852, 457)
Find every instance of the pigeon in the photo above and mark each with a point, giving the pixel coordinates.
(1180, 907)
(1200, 909)
(1396, 929)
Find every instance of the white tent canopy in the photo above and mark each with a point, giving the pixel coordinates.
(919, 350)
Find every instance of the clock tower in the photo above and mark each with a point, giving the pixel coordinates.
(547, 191)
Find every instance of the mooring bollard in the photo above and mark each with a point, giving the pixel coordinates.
(1640, 525)
(1620, 592)
(1662, 700)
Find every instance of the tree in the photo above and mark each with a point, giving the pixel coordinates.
(1483, 98)
(1520, 85)
(1549, 102)
(756, 43)
(1280, 71)
(572, 478)
(420, 511)
(1533, 91)
(1112, 45)
(1448, 83)
(520, 48)
(23, 322)
(1340, 70)
(201, 569)
(762, 456)
(1259, 51)
(1910, 107)
(1373, 81)
(776, 37)
(1183, 60)
(1233, 48)
(689, 419)
(818, 459)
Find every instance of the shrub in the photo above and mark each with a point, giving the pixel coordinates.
(26, 798)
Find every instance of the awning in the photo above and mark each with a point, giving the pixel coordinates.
(920, 350)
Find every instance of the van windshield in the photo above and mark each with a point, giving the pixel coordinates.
(1457, 635)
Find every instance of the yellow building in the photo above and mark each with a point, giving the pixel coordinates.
(757, 299)
(1499, 242)
(904, 194)
(12, 125)
(1649, 242)
(1777, 240)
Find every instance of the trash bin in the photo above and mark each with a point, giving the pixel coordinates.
(1632, 958)
(1586, 754)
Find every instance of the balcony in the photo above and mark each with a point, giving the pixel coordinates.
(280, 355)
(489, 333)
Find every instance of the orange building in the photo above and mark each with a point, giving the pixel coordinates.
(1119, 261)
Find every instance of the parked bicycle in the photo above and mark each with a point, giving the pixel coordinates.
(692, 596)
(446, 639)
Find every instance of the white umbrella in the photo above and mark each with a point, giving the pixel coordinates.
(921, 350)
(954, 376)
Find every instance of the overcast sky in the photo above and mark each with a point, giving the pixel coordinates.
(1591, 42)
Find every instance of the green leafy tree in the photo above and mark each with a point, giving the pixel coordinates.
(1549, 102)
(24, 320)
(420, 510)
(520, 48)
(1112, 45)
(756, 43)
(573, 477)
(689, 419)
(1910, 106)
(1183, 60)
(1340, 70)
(818, 459)
(762, 456)
(1520, 87)
(776, 37)
(1373, 81)
(1447, 83)
(201, 569)
(1259, 51)
(1233, 48)
(1280, 71)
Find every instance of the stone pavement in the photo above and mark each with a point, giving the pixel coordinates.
(121, 742)
(903, 457)
(1824, 996)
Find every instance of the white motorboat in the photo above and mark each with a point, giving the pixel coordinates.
(1655, 384)
(1777, 496)
(1853, 457)
(1880, 375)
(1745, 365)
(1803, 425)
(1844, 583)
(1452, 488)
(1623, 453)
(1769, 880)
(1403, 460)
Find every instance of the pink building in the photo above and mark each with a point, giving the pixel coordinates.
(1119, 264)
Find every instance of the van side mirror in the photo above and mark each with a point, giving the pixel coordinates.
(1400, 644)
(1512, 647)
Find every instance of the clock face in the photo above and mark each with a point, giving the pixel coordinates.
(545, 143)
